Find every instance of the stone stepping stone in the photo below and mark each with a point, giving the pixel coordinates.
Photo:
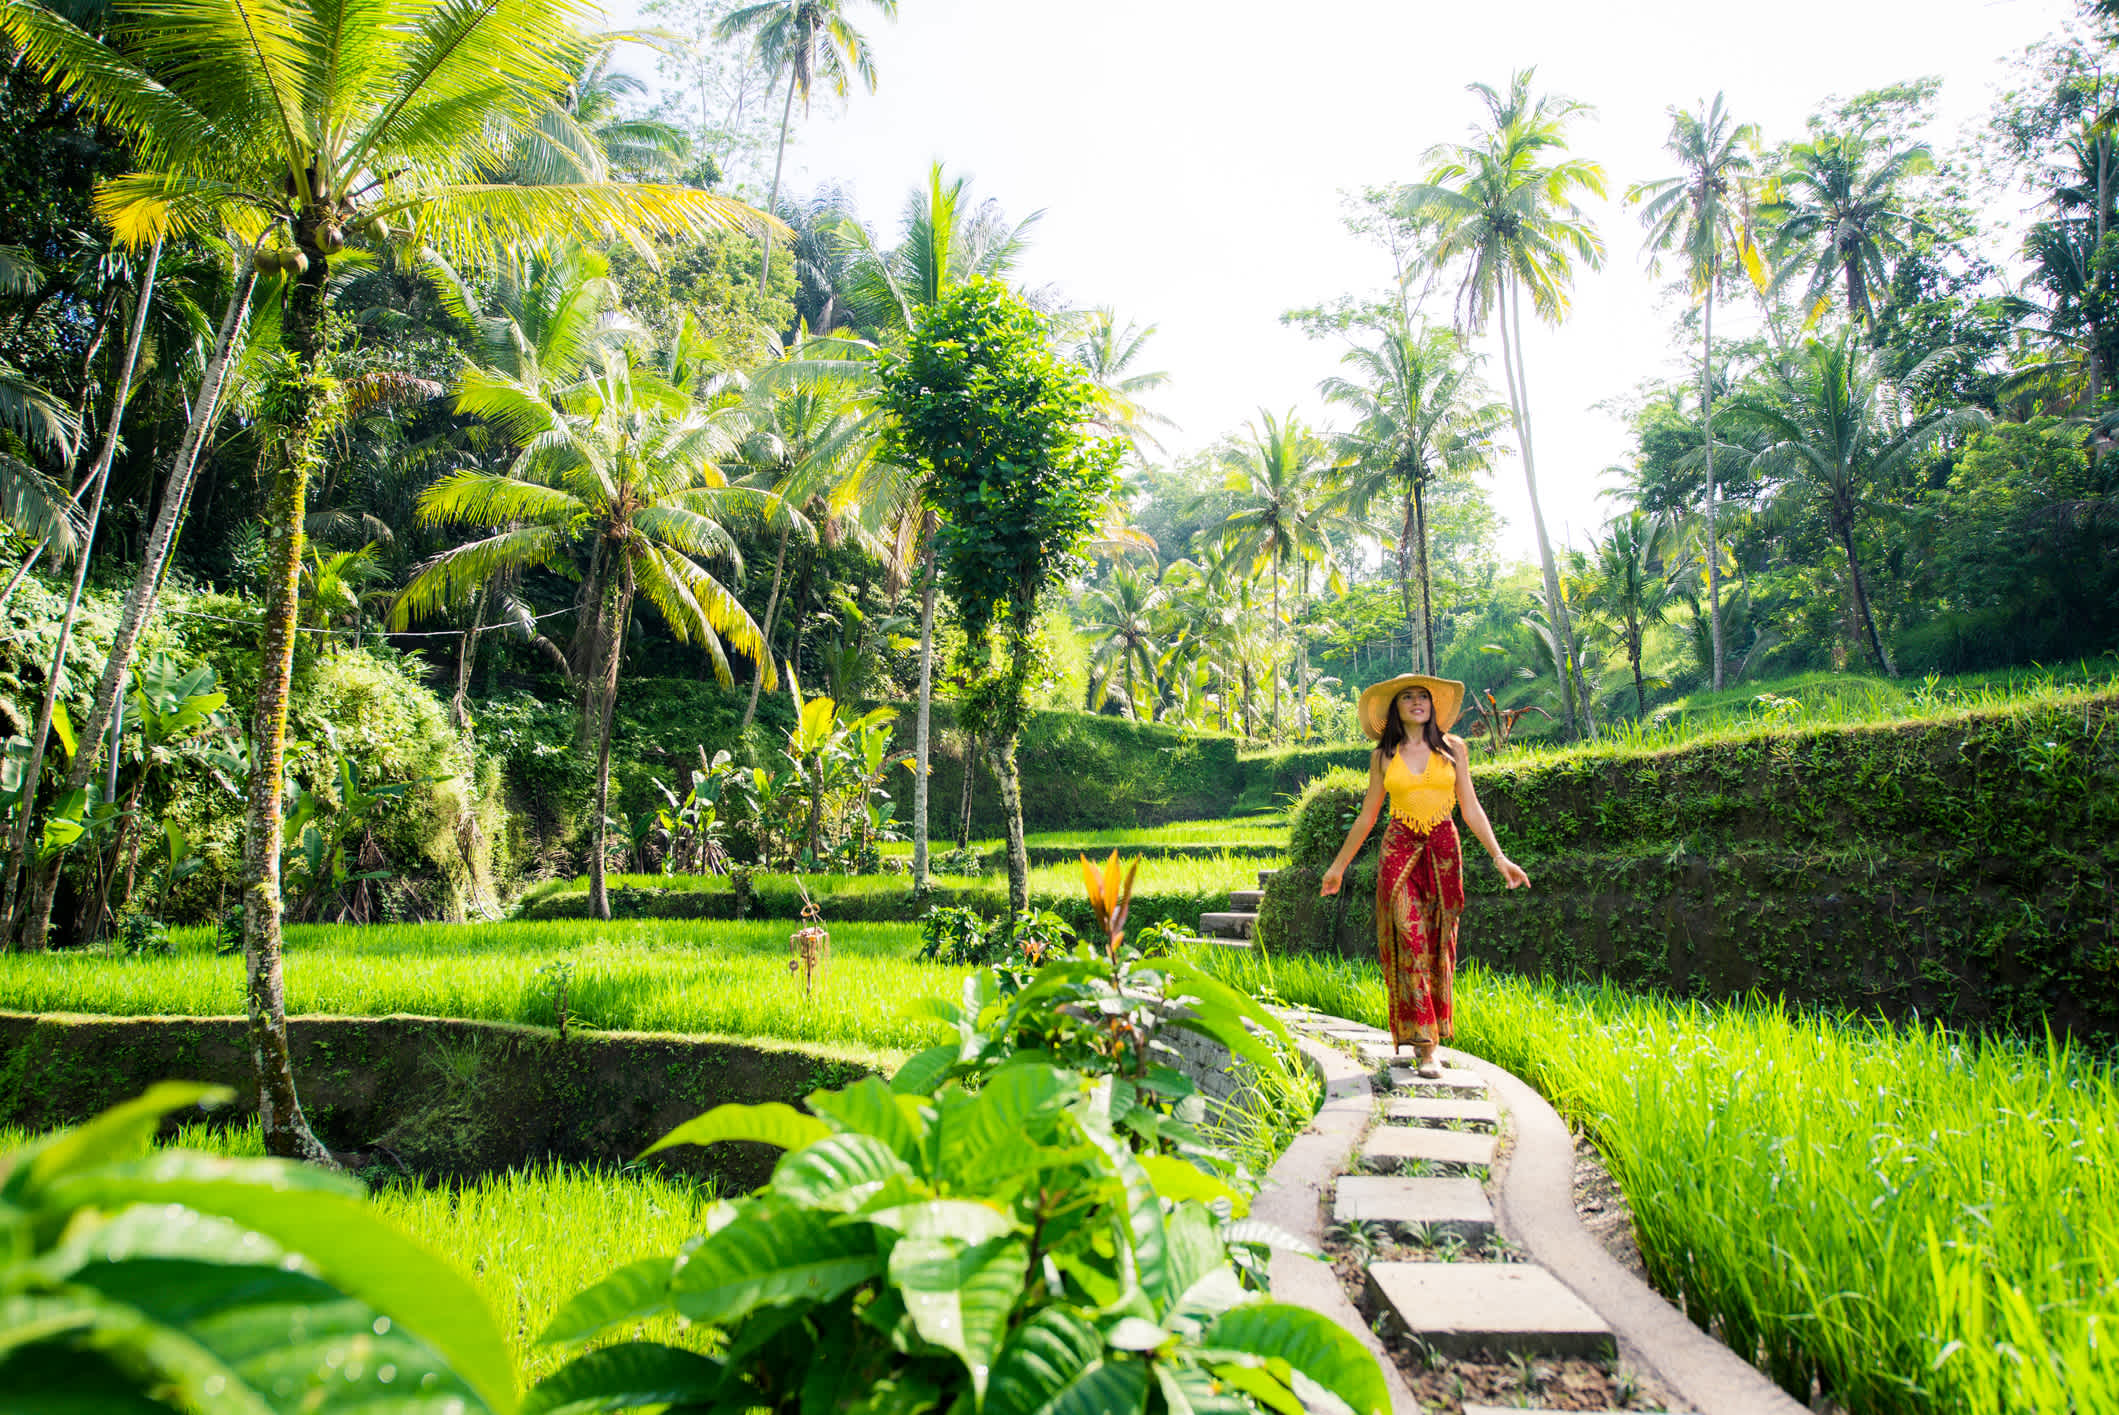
(1412, 1142)
(1456, 1206)
(1543, 1410)
(1435, 1111)
(1463, 1309)
(1463, 1083)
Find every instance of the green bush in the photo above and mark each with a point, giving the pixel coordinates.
(1956, 868)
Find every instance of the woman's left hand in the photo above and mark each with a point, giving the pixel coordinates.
(1512, 872)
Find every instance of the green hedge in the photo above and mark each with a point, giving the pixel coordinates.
(1958, 869)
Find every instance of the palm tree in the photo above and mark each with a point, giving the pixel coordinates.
(1422, 414)
(1287, 506)
(1837, 200)
(623, 475)
(1504, 204)
(1835, 430)
(811, 39)
(1705, 213)
(1121, 620)
(1107, 351)
(1630, 586)
(327, 121)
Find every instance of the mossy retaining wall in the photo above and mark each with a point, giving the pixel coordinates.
(443, 1097)
(1959, 870)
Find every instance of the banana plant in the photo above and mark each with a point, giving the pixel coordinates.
(182, 1281)
(318, 832)
(177, 860)
(832, 755)
(694, 824)
(1002, 1251)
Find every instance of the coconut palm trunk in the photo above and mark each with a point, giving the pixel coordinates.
(1511, 322)
(772, 202)
(99, 482)
(146, 587)
(1427, 597)
(1714, 556)
(1861, 598)
(286, 1129)
(923, 729)
(772, 608)
(610, 631)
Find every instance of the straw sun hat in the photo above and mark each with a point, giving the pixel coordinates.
(1376, 702)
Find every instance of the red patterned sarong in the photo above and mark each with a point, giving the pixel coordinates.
(1419, 898)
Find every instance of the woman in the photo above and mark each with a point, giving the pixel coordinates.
(1420, 884)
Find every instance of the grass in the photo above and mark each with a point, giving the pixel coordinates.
(1917, 1220)
(529, 1238)
(1263, 832)
(683, 976)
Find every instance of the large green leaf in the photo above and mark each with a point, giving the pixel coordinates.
(120, 1133)
(1180, 1181)
(993, 1135)
(1041, 1361)
(1144, 1214)
(968, 1220)
(773, 1253)
(841, 1172)
(1309, 1342)
(355, 1249)
(161, 1357)
(960, 1298)
(623, 1377)
(924, 1070)
(768, 1124)
(869, 1107)
(1202, 1284)
(633, 1293)
(1216, 993)
(1188, 1390)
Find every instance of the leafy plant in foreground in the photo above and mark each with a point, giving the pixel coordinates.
(185, 1281)
(1024, 1246)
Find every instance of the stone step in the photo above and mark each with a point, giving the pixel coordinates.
(1431, 1111)
(1246, 899)
(1357, 1035)
(1456, 1206)
(1542, 1410)
(1461, 1083)
(1264, 875)
(1414, 1142)
(1227, 925)
(1502, 1309)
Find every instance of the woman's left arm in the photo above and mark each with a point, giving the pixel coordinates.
(1475, 816)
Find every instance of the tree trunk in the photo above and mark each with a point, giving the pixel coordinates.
(1002, 759)
(1427, 600)
(146, 589)
(971, 766)
(1519, 404)
(772, 608)
(40, 735)
(1861, 600)
(611, 616)
(1857, 289)
(1714, 557)
(286, 1130)
(1405, 567)
(1633, 656)
(772, 203)
(1279, 643)
(922, 726)
(466, 663)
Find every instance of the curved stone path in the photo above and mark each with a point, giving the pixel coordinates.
(1570, 1298)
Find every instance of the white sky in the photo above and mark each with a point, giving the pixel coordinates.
(1189, 158)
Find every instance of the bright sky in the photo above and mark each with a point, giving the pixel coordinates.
(1189, 159)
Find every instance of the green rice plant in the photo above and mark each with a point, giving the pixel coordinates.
(719, 978)
(1918, 1220)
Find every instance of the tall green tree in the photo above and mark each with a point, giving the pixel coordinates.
(325, 119)
(1836, 432)
(1839, 212)
(1505, 207)
(620, 483)
(993, 417)
(1704, 215)
(1629, 585)
(1421, 414)
(809, 40)
(1121, 621)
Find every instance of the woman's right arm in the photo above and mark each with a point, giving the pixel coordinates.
(1363, 823)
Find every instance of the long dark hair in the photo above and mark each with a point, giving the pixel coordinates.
(1394, 733)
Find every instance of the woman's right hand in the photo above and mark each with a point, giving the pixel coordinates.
(1333, 877)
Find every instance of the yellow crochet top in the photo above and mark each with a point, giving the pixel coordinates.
(1423, 801)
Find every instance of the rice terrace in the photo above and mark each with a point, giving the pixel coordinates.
(838, 706)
